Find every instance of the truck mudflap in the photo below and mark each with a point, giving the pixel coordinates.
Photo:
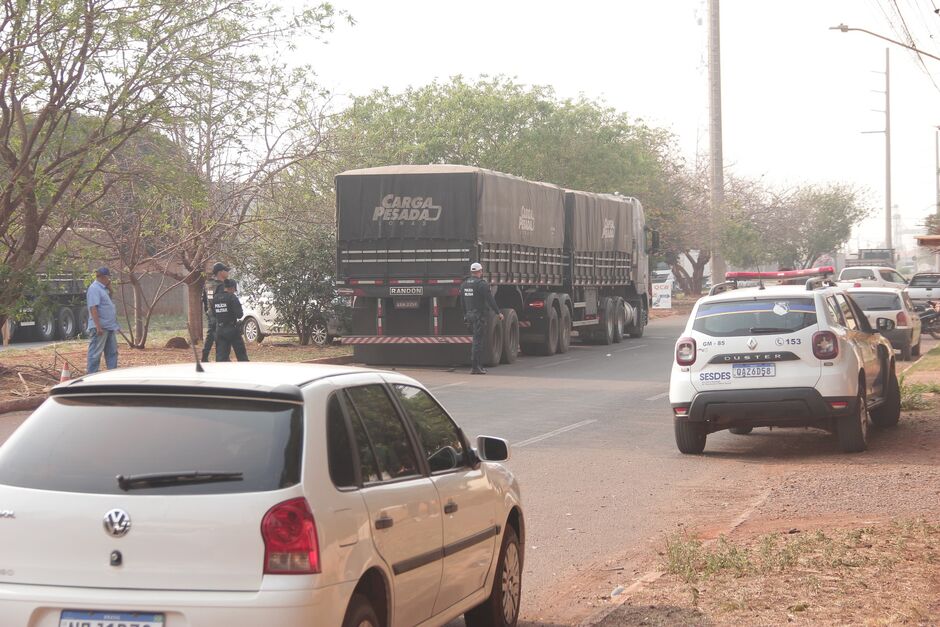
(407, 339)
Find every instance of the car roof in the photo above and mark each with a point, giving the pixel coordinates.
(867, 268)
(770, 291)
(876, 290)
(267, 379)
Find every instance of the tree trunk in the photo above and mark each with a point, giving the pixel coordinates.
(194, 319)
(140, 303)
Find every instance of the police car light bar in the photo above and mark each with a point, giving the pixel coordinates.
(782, 274)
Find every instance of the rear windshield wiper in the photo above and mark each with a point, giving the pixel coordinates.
(768, 330)
(161, 479)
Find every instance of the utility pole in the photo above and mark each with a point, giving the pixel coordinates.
(888, 242)
(936, 151)
(714, 136)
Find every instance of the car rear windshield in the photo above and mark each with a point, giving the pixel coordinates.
(82, 444)
(871, 301)
(925, 280)
(856, 273)
(755, 316)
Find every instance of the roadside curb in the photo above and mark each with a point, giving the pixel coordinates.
(22, 404)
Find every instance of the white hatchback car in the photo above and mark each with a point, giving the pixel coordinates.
(254, 494)
(895, 304)
(871, 276)
(784, 356)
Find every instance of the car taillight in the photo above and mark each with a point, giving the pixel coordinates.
(857, 284)
(825, 345)
(902, 319)
(290, 539)
(685, 351)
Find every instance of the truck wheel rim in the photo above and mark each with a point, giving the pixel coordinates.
(511, 583)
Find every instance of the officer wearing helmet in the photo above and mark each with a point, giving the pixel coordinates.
(477, 297)
(212, 287)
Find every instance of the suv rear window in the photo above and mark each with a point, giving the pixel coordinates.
(754, 316)
(856, 273)
(925, 280)
(82, 444)
(870, 301)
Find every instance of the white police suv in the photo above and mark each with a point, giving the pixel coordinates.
(782, 356)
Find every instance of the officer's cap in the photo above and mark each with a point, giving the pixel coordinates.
(227, 283)
(220, 267)
(476, 267)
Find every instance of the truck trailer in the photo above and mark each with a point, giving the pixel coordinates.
(560, 262)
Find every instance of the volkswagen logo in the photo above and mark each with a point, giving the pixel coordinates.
(117, 523)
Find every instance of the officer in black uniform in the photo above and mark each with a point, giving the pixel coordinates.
(228, 333)
(476, 295)
(213, 285)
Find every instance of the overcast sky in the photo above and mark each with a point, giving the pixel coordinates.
(796, 96)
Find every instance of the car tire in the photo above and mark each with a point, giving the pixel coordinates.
(319, 334)
(494, 341)
(510, 336)
(906, 352)
(251, 329)
(916, 350)
(45, 328)
(690, 437)
(888, 413)
(852, 430)
(564, 330)
(360, 613)
(66, 326)
(620, 318)
(501, 608)
(740, 430)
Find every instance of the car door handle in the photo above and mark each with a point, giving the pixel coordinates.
(384, 522)
(450, 507)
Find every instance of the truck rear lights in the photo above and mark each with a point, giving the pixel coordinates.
(685, 351)
(825, 345)
(537, 304)
(902, 319)
(681, 412)
(290, 539)
(838, 404)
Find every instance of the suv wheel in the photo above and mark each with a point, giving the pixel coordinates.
(319, 334)
(888, 413)
(360, 613)
(852, 430)
(690, 437)
(252, 331)
(501, 609)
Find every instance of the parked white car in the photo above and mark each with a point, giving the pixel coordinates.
(260, 321)
(895, 304)
(254, 494)
(872, 276)
(784, 356)
(924, 286)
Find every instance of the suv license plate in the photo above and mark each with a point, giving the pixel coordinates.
(86, 618)
(747, 371)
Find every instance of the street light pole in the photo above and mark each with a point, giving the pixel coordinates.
(888, 239)
(714, 138)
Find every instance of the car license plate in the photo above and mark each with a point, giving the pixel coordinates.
(407, 303)
(747, 371)
(87, 618)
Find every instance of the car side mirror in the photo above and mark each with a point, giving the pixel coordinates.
(491, 449)
(885, 324)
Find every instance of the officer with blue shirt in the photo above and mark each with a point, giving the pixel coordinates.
(102, 323)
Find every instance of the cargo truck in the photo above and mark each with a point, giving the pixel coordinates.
(558, 261)
(57, 313)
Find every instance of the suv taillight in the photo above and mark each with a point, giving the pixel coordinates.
(685, 351)
(902, 319)
(825, 345)
(290, 539)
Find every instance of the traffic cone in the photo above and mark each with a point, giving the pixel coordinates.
(66, 373)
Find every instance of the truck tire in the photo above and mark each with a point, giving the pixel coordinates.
(83, 322)
(605, 334)
(852, 430)
(45, 326)
(635, 330)
(494, 341)
(888, 413)
(690, 437)
(66, 325)
(620, 318)
(564, 330)
(510, 335)
(548, 343)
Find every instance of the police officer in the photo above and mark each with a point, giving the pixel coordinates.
(477, 296)
(209, 290)
(228, 332)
